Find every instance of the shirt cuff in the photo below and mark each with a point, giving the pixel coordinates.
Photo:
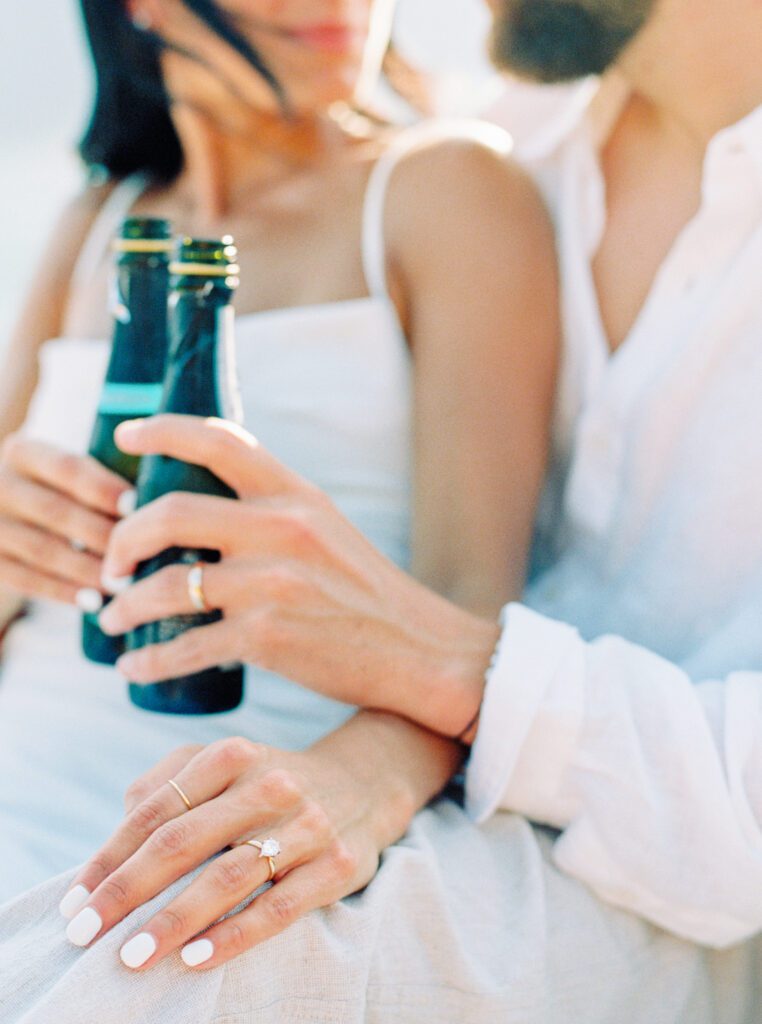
(531, 718)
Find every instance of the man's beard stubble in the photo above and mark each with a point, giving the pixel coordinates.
(559, 40)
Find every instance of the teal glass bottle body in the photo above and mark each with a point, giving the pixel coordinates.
(134, 378)
(200, 381)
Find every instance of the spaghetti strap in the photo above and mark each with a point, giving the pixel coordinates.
(105, 225)
(417, 137)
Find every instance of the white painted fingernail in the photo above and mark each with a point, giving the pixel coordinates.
(127, 502)
(89, 600)
(198, 952)
(84, 927)
(115, 584)
(139, 948)
(73, 900)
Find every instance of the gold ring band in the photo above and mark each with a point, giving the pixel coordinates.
(182, 795)
(196, 588)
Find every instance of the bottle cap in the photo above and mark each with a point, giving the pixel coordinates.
(207, 257)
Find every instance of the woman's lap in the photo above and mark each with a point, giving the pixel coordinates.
(460, 925)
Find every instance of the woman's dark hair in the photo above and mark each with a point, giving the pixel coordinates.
(131, 128)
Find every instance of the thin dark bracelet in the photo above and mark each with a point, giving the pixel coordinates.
(461, 737)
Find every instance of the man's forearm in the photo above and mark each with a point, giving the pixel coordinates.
(406, 762)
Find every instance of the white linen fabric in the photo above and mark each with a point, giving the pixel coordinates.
(625, 706)
(460, 924)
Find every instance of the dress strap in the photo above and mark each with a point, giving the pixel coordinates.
(419, 136)
(105, 225)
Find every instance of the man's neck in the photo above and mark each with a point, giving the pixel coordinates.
(697, 65)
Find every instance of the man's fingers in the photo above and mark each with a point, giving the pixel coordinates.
(226, 449)
(191, 652)
(175, 520)
(81, 477)
(46, 553)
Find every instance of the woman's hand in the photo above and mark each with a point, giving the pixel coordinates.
(302, 592)
(332, 809)
(57, 511)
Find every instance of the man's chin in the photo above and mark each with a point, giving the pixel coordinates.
(560, 40)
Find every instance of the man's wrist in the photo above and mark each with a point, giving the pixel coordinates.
(450, 697)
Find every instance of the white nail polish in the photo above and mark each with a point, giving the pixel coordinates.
(127, 502)
(198, 952)
(139, 948)
(84, 927)
(115, 584)
(73, 900)
(89, 600)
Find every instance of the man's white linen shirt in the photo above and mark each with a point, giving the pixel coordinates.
(624, 704)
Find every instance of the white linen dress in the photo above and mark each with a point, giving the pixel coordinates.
(461, 924)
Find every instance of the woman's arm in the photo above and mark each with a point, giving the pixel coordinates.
(48, 498)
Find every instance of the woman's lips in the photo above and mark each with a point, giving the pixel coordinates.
(329, 38)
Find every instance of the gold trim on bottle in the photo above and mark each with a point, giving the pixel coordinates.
(143, 245)
(204, 270)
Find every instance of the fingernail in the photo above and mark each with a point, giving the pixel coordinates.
(139, 948)
(115, 584)
(198, 952)
(89, 600)
(124, 665)
(73, 900)
(127, 502)
(84, 927)
(127, 430)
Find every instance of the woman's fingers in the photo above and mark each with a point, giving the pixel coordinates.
(160, 840)
(225, 883)
(153, 803)
(199, 648)
(28, 582)
(319, 883)
(83, 478)
(226, 449)
(33, 503)
(157, 776)
(33, 546)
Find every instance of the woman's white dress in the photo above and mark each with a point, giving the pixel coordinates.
(461, 924)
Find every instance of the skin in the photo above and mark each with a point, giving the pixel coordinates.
(291, 190)
(685, 87)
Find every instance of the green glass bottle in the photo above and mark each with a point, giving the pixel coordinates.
(200, 381)
(133, 384)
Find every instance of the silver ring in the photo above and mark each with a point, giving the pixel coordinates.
(77, 545)
(196, 587)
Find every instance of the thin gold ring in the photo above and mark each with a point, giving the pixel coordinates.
(182, 795)
(196, 588)
(268, 845)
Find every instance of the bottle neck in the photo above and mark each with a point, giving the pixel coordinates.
(200, 377)
(139, 352)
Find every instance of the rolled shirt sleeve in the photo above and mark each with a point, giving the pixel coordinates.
(654, 781)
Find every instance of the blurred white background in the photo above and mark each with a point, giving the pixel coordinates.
(45, 94)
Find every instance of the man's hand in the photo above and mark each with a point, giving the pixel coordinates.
(302, 592)
(333, 810)
(57, 511)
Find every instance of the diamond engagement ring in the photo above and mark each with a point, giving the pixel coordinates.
(269, 848)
